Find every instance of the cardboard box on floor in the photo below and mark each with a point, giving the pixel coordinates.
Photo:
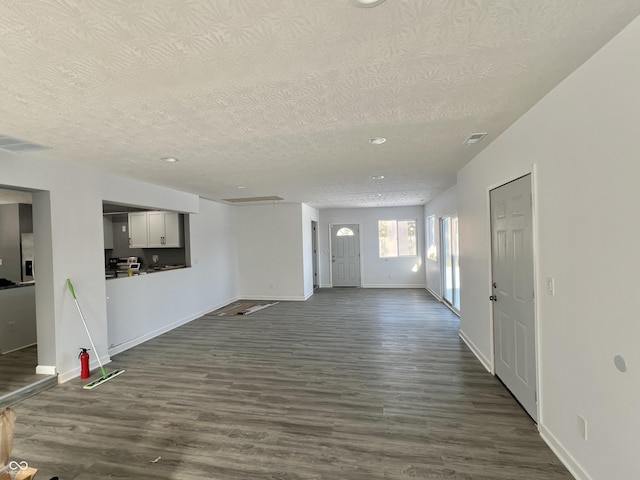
(26, 474)
(7, 422)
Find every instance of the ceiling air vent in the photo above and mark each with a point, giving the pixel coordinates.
(11, 144)
(253, 199)
(474, 138)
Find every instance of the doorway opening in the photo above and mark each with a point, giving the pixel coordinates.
(314, 253)
(25, 235)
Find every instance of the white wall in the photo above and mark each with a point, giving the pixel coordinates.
(309, 215)
(445, 204)
(405, 272)
(67, 213)
(142, 307)
(270, 251)
(581, 142)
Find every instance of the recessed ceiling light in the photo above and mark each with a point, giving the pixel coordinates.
(240, 186)
(377, 177)
(170, 159)
(377, 140)
(366, 3)
(378, 194)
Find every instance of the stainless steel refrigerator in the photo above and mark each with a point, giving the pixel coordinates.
(26, 254)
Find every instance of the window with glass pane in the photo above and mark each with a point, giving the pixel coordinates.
(388, 238)
(397, 238)
(344, 232)
(450, 264)
(432, 249)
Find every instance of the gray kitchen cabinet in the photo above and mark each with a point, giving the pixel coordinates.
(107, 228)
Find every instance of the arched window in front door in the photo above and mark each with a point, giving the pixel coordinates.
(345, 232)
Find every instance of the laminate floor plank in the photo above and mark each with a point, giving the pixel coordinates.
(18, 369)
(353, 384)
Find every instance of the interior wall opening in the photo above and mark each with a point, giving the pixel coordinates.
(27, 345)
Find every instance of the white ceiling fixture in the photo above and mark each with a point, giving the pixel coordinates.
(366, 3)
(377, 177)
(170, 159)
(240, 187)
(377, 140)
(474, 138)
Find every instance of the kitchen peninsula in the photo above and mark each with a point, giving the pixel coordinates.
(18, 317)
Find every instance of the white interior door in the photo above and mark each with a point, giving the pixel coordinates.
(345, 255)
(513, 290)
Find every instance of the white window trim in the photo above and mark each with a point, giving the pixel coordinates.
(415, 220)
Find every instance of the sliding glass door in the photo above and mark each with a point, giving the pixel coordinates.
(450, 266)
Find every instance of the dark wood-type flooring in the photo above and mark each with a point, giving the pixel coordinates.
(354, 384)
(18, 369)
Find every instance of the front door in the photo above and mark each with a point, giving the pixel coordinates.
(345, 255)
(513, 290)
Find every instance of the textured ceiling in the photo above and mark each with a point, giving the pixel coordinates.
(281, 96)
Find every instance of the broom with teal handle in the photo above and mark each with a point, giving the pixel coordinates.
(105, 376)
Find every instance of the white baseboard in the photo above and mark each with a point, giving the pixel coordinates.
(483, 360)
(277, 298)
(432, 292)
(46, 370)
(325, 285)
(20, 348)
(115, 349)
(395, 285)
(565, 457)
(75, 372)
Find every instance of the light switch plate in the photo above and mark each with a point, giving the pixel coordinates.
(551, 286)
(124, 228)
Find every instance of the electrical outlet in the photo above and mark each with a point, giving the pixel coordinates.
(582, 427)
(154, 258)
(0, 261)
(124, 228)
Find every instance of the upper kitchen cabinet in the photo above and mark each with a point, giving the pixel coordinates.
(164, 229)
(155, 229)
(138, 230)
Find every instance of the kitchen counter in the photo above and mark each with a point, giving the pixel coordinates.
(18, 319)
(113, 274)
(18, 285)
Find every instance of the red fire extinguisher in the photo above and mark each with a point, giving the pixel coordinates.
(84, 363)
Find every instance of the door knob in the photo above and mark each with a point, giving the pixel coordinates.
(493, 298)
